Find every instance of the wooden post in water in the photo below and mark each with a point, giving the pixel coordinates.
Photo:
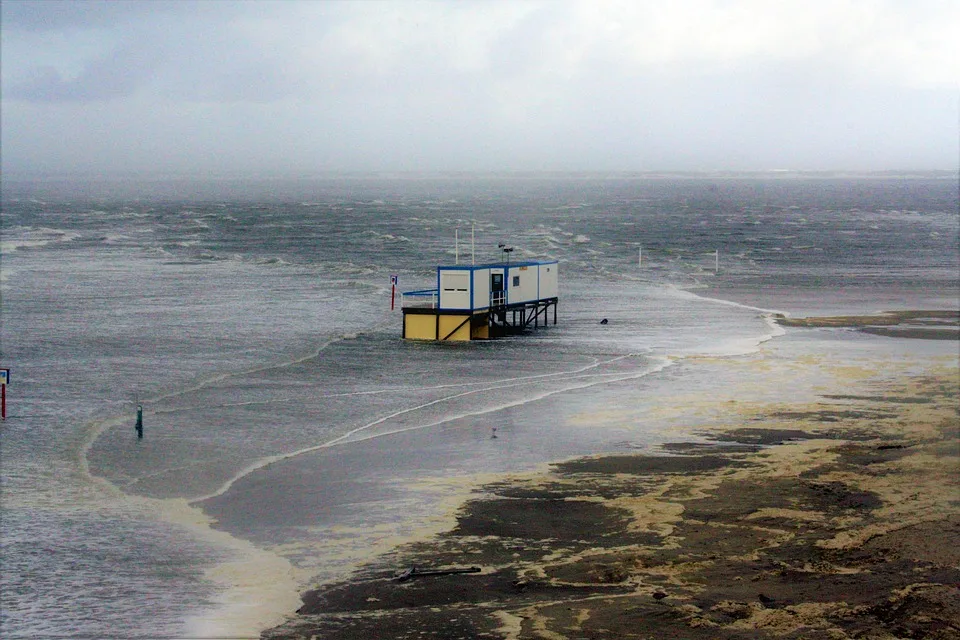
(4, 380)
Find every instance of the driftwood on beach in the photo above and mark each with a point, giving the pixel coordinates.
(415, 572)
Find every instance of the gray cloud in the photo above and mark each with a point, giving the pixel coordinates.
(276, 87)
(66, 15)
(116, 75)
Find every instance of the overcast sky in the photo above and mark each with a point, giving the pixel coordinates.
(285, 87)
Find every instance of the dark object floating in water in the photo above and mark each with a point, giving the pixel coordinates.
(659, 595)
(604, 321)
(413, 572)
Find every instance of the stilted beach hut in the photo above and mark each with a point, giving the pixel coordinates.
(482, 301)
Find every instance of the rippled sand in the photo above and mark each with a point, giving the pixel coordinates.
(838, 518)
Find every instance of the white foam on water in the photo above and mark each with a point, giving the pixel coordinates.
(585, 382)
(740, 345)
(257, 589)
(32, 238)
(502, 384)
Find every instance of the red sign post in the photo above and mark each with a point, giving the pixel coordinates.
(4, 380)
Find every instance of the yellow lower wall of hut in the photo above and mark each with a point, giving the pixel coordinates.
(428, 326)
(449, 323)
(419, 327)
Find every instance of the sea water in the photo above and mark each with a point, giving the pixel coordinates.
(288, 428)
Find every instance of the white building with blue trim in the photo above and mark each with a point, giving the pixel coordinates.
(483, 301)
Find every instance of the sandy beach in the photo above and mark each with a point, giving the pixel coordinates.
(838, 518)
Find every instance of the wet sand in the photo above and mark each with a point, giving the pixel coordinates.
(918, 324)
(838, 518)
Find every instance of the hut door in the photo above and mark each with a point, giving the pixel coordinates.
(496, 288)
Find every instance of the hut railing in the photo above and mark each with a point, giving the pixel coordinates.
(422, 299)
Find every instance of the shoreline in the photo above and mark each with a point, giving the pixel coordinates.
(837, 518)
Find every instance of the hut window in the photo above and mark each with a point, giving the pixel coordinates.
(516, 281)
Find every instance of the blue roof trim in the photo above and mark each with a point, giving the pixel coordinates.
(459, 267)
(496, 265)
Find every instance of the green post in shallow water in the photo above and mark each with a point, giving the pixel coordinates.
(139, 425)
